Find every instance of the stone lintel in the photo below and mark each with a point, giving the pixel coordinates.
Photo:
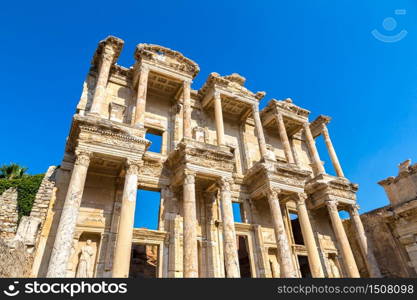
(325, 187)
(316, 125)
(232, 86)
(106, 137)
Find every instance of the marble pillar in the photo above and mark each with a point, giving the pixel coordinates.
(190, 253)
(295, 154)
(332, 152)
(218, 114)
(64, 235)
(342, 240)
(284, 138)
(259, 131)
(308, 236)
(283, 245)
(317, 164)
(102, 79)
(121, 260)
(365, 248)
(231, 259)
(141, 93)
(187, 132)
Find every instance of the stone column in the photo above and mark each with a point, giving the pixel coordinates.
(218, 114)
(231, 259)
(318, 166)
(283, 246)
(367, 253)
(308, 236)
(102, 78)
(259, 131)
(296, 158)
(187, 109)
(141, 97)
(121, 260)
(332, 152)
(66, 228)
(284, 138)
(339, 230)
(190, 254)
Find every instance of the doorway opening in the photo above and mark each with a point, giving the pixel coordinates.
(296, 228)
(304, 266)
(144, 261)
(244, 259)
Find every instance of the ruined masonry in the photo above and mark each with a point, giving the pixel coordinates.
(218, 151)
(392, 229)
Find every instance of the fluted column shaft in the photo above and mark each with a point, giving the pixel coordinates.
(231, 259)
(308, 236)
(332, 152)
(368, 255)
(318, 166)
(284, 138)
(339, 230)
(187, 133)
(218, 114)
(123, 248)
(259, 131)
(283, 246)
(102, 78)
(190, 258)
(141, 97)
(65, 233)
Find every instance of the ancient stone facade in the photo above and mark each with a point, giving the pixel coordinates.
(392, 229)
(218, 150)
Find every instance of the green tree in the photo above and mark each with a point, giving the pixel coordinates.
(12, 171)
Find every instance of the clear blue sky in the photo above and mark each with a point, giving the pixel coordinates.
(320, 53)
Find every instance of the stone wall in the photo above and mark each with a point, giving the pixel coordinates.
(17, 243)
(44, 194)
(392, 258)
(14, 260)
(8, 213)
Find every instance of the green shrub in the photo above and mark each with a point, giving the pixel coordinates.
(27, 187)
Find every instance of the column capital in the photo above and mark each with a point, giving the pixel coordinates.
(143, 69)
(225, 184)
(255, 107)
(82, 157)
(189, 176)
(133, 166)
(301, 198)
(108, 53)
(324, 127)
(354, 209)
(273, 192)
(187, 82)
(332, 204)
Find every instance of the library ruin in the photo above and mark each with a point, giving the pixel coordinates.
(219, 156)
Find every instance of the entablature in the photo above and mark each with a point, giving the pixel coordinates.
(293, 116)
(325, 187)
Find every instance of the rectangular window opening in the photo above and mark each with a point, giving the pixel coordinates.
(144, 261)
(155, 137)
(237, 212)
(296, 228)
(147, 209)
